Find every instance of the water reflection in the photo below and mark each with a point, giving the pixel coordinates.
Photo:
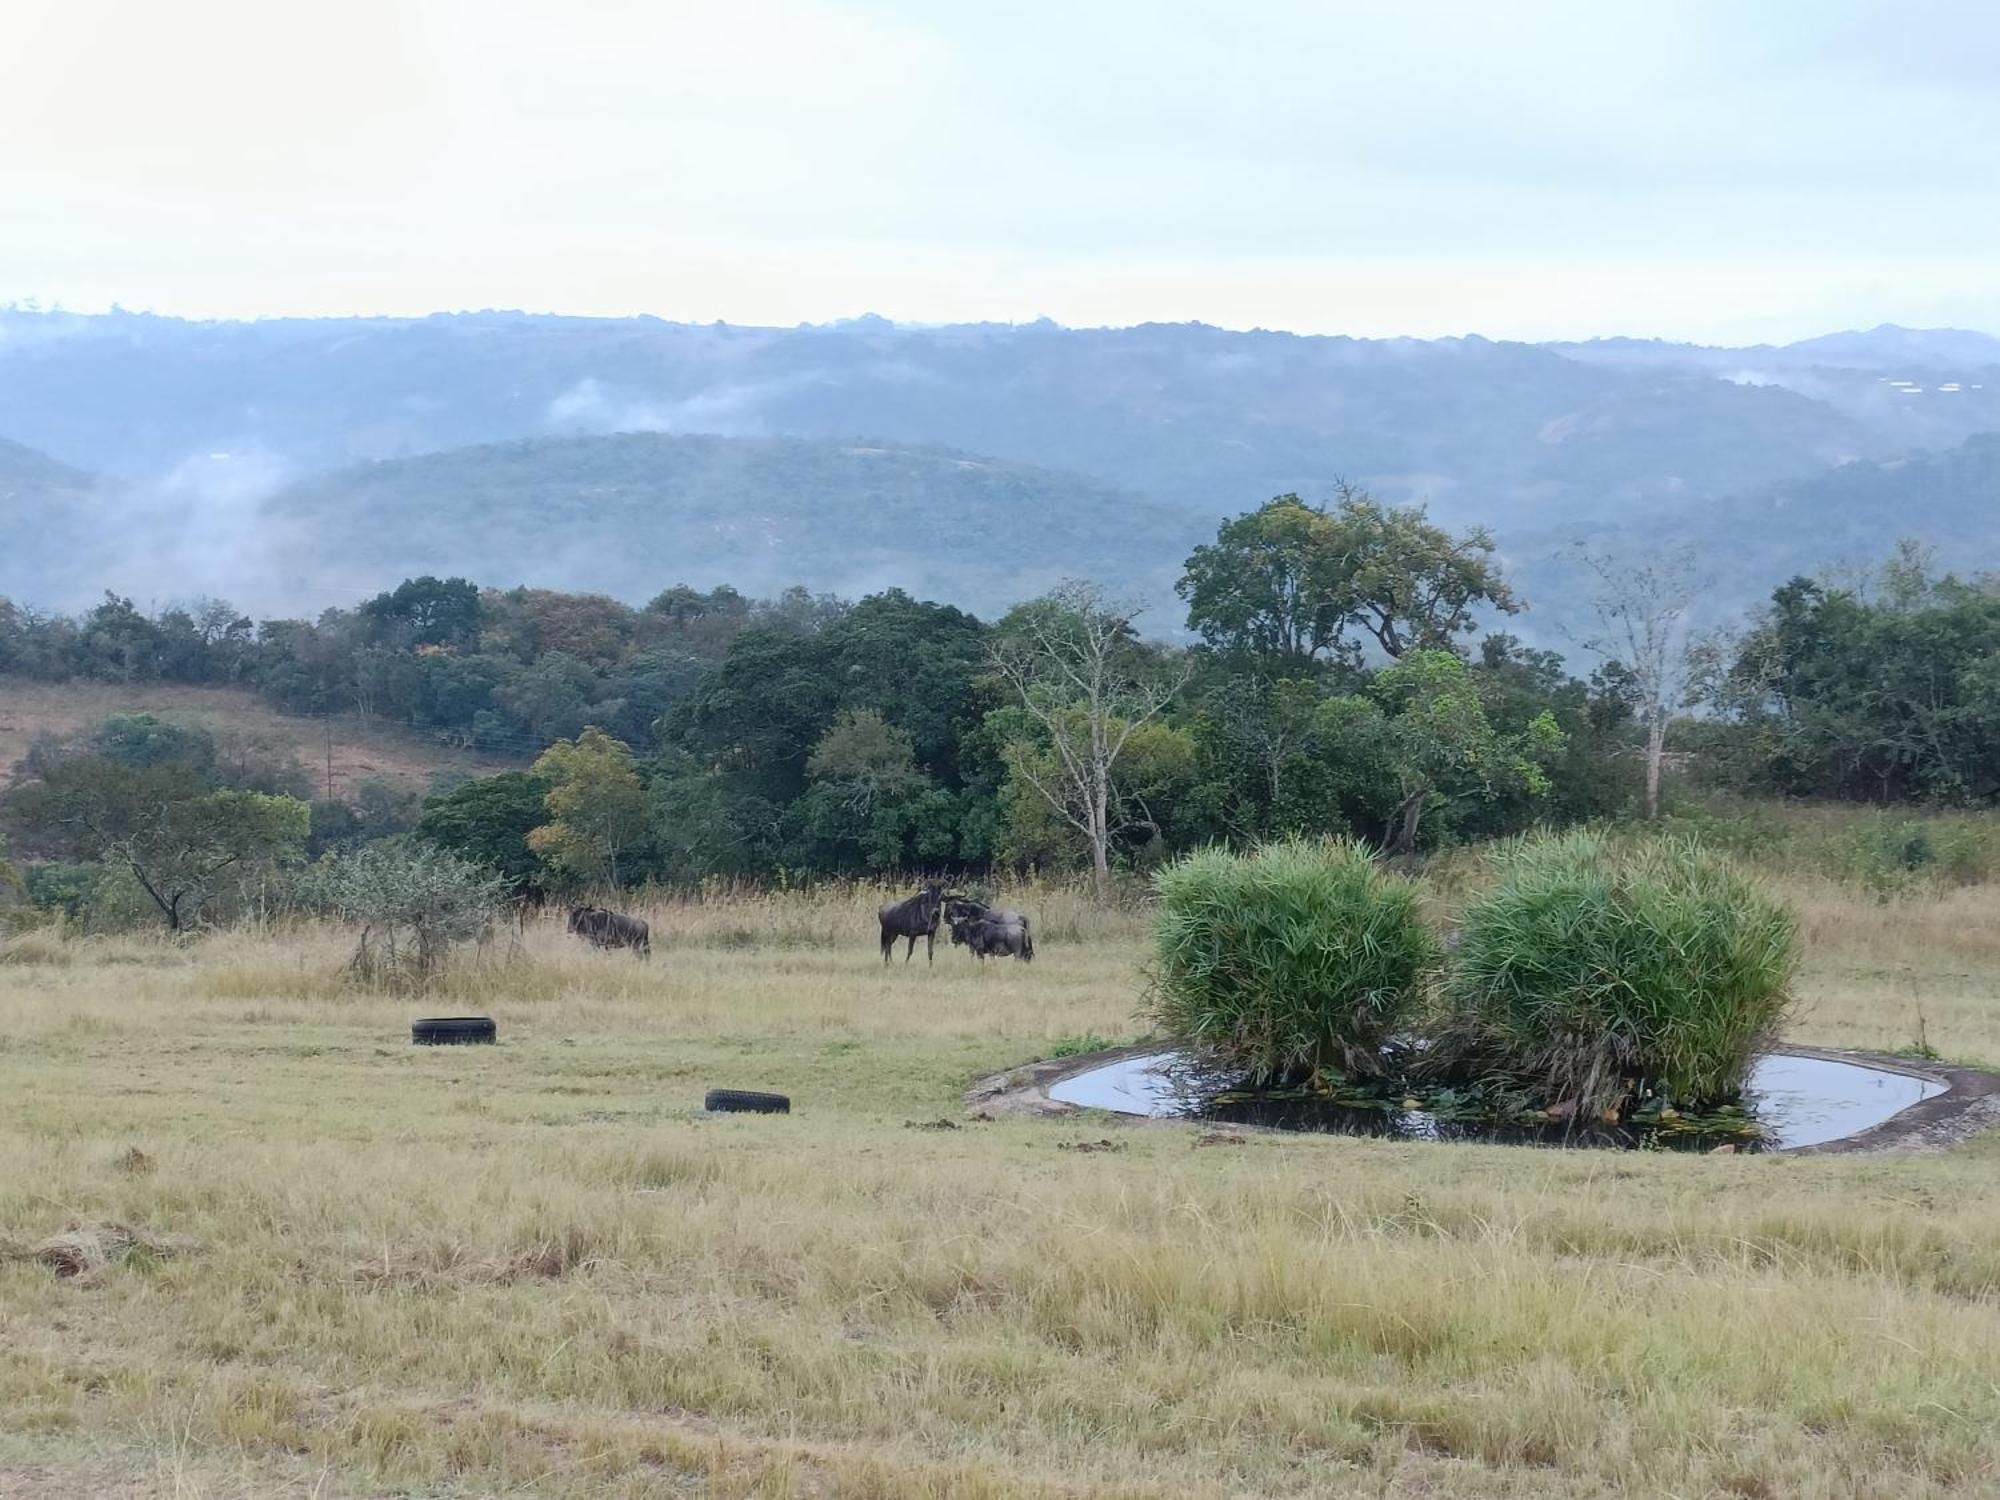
(1794, 1100)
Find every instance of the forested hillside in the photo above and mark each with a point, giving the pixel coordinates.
(627, 514)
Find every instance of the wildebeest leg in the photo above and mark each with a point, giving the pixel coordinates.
(888, 944)
(911, 951)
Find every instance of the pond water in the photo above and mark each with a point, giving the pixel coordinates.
(1797, 1101)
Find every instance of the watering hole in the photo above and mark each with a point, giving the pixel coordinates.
(1794, 1101)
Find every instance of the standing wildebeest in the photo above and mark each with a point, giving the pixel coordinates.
(916, 917)
(989, 939)
(964, 911)
(611, 929)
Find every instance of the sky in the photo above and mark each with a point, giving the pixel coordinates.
(1760, 170)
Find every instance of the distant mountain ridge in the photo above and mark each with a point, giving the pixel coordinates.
(1191, 415)
(322, 459)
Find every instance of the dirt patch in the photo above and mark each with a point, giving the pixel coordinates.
(1107, 1144)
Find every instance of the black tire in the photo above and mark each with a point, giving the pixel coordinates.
(452, 1031)
(740, 1102)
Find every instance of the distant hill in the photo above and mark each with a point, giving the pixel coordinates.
(1204, 418)
(631, 514)
(45, 507)
(1845, 522)
(1855, 514)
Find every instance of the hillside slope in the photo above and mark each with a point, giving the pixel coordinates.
(631, 514)
(46, 509)
(361, 749)
(1843, 523)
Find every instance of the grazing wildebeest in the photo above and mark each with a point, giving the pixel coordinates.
(988, 938)
(611, 929)
(963, 908)
(913, 918)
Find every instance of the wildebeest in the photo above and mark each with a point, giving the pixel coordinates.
(988, 938)
(963, 908)
(912, 918)
(611, 929)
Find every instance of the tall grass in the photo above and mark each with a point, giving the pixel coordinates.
(1890, 852)
(1301, 958)
(1589, 974)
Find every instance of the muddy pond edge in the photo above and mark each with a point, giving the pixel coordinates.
(1969, 1105)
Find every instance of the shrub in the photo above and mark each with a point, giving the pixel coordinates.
(1302, 958)
(1587, 975)
(414, 904)
(89, 897)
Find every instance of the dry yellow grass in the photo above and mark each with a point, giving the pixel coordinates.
(537, 1269)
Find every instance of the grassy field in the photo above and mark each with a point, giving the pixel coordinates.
(320, 1262)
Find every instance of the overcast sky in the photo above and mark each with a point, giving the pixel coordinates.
(1760, 169)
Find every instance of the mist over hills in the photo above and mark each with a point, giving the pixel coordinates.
(297, 462)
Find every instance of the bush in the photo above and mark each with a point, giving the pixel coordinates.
(414, 905)
(1300, 959)
(90, 897)
(1588, 976)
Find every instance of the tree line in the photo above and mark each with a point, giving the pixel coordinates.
(1337, 682)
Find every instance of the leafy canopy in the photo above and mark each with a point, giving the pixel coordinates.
(1292, 584)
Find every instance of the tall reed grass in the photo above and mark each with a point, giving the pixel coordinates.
(1302, 958)
(1589, 973)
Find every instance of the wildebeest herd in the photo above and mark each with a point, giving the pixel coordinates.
(988, 931)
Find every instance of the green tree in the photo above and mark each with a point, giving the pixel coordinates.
(488, 822)
(596, 805)
(178, 837)
(425, 611)
(1421, 730)
(1286, 583)
(1271, 585)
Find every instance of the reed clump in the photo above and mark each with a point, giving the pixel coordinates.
(1300, 959)
(1590, 974)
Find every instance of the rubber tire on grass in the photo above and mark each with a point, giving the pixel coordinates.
(742, 1102)
(452, 1031)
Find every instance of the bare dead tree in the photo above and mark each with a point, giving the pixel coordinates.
(1083, 677)
(1642, 609)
